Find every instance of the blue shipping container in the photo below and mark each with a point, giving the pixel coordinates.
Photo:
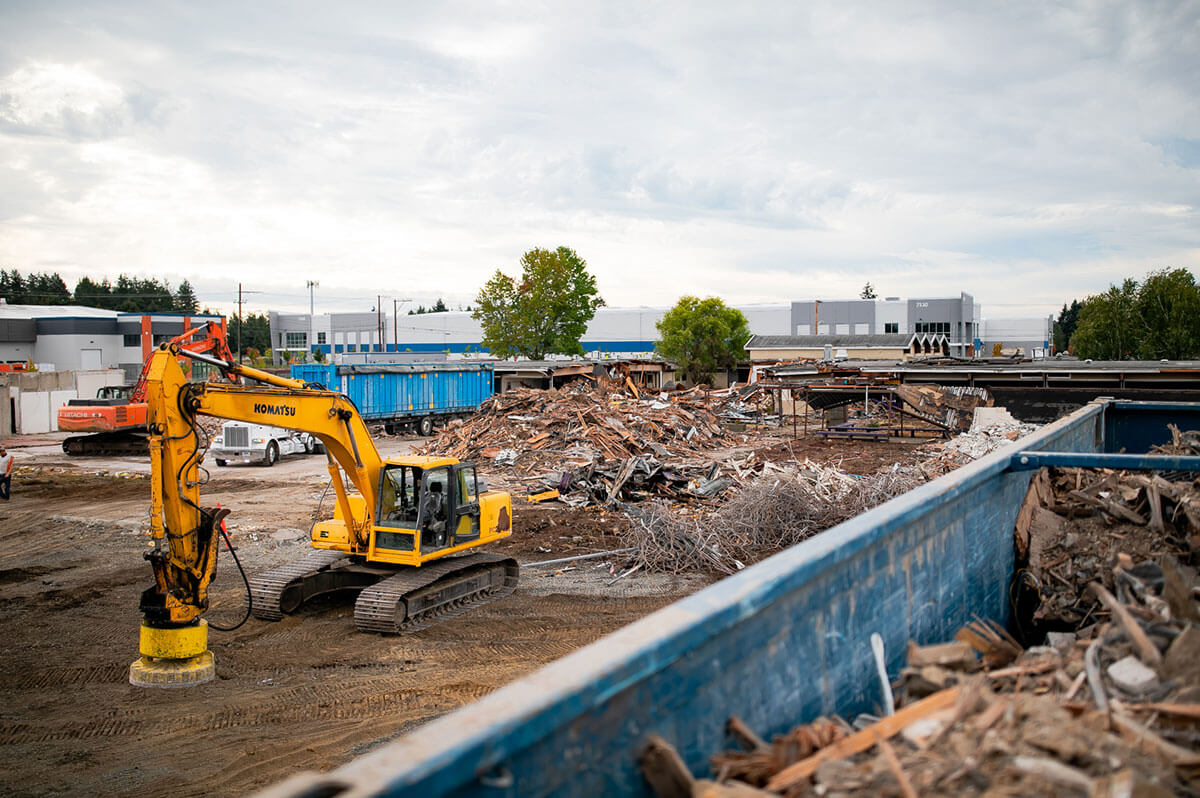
(777, 644)
(405, 391)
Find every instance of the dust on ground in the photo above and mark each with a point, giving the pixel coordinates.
(307, 692)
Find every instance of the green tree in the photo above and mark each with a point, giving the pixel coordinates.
(1065, 326)
(868, 292)
(546, 311)
(1109, 328)
(36, 289)
(93, 294)
(256, 333)
(185, 298)
(12, 287)
(1168, 304)
(439, 307)
(701, 336)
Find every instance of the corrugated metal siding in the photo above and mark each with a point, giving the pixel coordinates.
(405, 392)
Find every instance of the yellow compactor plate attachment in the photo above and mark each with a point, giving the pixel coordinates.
(173, 657)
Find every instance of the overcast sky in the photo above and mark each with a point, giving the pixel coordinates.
(759, 152)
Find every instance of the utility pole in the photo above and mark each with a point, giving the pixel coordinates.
(239, 334)
(312, 319)
(239, 320)
(379, 318)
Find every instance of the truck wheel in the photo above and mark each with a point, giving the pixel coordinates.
(310, 445)
(425, 427)
(221, 462)
(272, 454)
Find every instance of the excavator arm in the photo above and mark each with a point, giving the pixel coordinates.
(183, 534)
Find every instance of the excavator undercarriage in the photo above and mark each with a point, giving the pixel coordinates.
(392, 600)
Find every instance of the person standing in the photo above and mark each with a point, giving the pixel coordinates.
(6, 469)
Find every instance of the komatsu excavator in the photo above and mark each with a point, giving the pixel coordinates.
(403, 539)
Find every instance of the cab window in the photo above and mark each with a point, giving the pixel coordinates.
(467, 486)
(398, 497)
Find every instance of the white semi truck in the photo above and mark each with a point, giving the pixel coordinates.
(240, 442)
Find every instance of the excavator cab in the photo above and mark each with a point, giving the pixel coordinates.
(430, 508)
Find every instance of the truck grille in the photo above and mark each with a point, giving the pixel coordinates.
(237, 437)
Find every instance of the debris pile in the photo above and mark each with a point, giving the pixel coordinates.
(980, 440)
(950, 407)
(778, 507)
(597, 444)
(535, 428)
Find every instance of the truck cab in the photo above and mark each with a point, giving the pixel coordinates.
(242, 442)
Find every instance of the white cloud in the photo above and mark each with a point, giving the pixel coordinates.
(1022, 153)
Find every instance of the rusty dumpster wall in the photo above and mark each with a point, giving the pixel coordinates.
(777, 644)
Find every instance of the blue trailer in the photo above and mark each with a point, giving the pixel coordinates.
(406, 395)
(777, 644)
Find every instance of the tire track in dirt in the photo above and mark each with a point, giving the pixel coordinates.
(65, 677)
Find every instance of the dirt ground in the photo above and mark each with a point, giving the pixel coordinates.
(308, 692)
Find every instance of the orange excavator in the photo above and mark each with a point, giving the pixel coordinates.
(115, 421)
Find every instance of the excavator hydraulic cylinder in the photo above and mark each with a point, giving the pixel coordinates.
(173, 657)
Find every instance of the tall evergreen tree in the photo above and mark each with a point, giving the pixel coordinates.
(185, 298)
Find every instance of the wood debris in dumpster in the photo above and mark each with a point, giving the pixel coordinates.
(1043, 723)
(1106, 704)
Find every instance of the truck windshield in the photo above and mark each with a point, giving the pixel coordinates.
(398, 496)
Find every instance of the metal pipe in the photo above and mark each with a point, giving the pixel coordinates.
(1029, 461)
(573, 559)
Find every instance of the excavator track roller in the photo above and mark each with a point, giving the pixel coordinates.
(414, 599)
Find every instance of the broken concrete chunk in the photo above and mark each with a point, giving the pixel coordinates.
(1131, 676)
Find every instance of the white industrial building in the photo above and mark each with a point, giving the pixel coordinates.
(75, 337)
(629, 332)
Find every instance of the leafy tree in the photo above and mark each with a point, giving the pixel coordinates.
(546, 311)
(868, 292)
(1160, 318)
(701, 336)
(185, 298)
(1065, 326)
(1108, 327)
(1168, 304)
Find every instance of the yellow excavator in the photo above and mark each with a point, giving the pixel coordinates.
(403, 539)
